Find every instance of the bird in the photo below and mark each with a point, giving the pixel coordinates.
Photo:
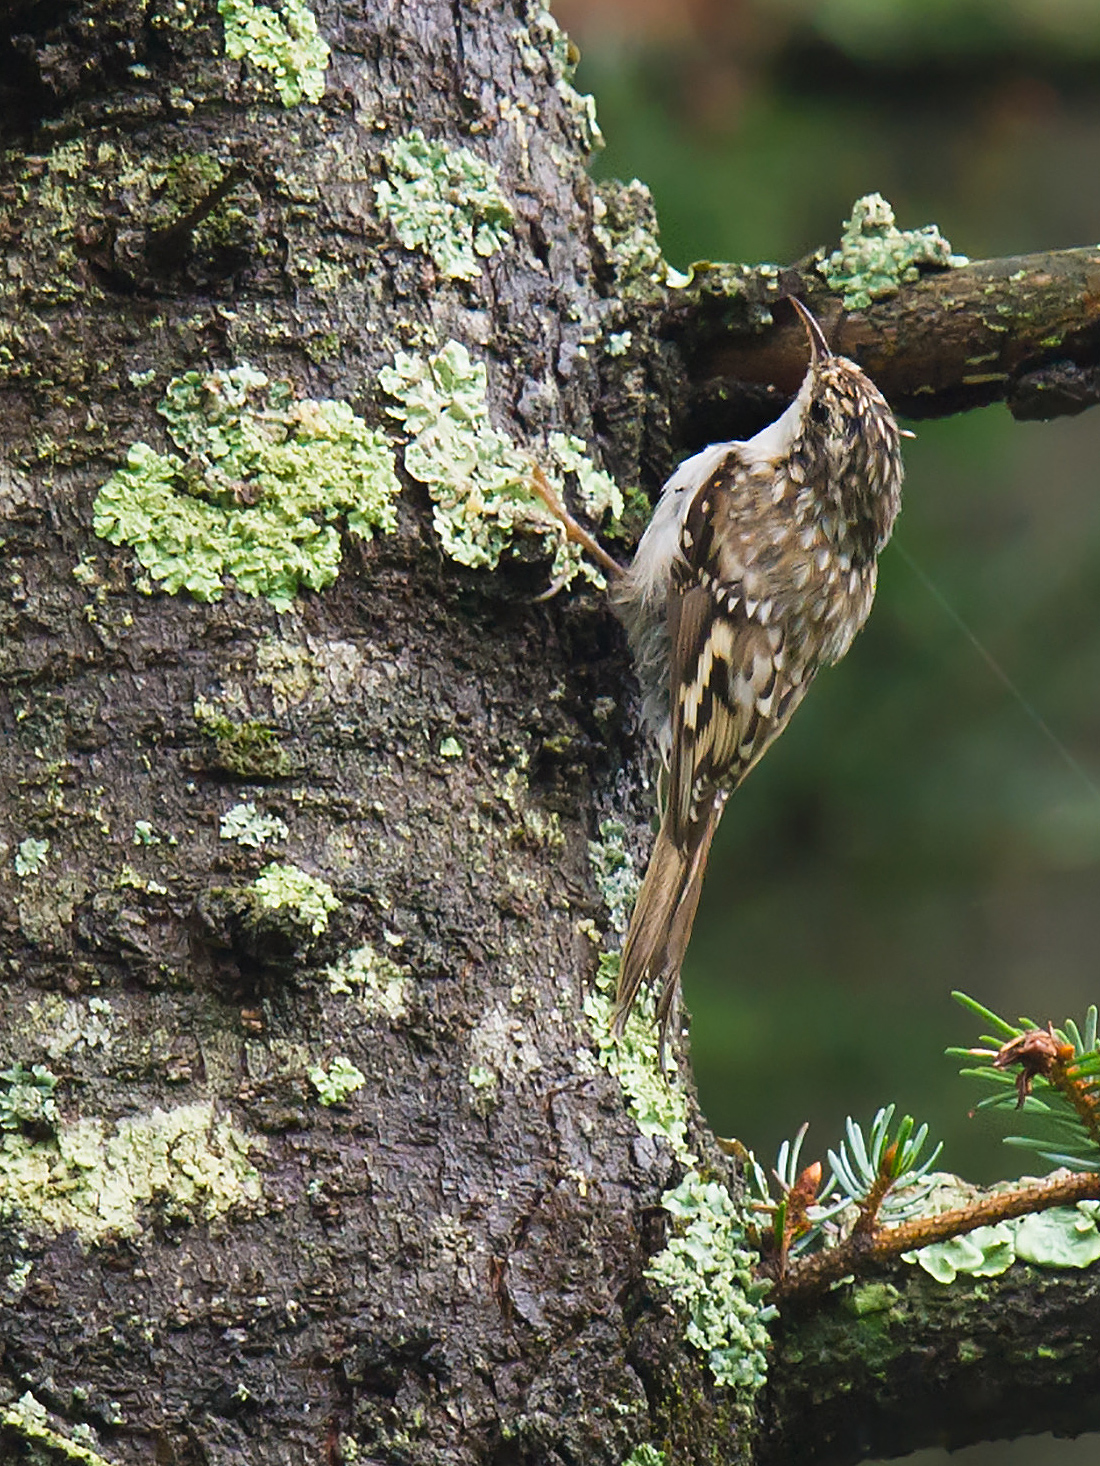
(757, 568)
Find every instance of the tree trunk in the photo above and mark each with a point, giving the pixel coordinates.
(322, 1161)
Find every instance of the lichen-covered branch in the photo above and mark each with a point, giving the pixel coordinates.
(1024, 330)
(864, 1249)
(901, 1361)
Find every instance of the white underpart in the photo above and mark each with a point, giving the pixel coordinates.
(775, 441)
(660, 544)
(642, 593)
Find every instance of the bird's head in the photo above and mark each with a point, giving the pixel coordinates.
(848, 440)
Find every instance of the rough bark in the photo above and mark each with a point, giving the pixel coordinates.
(1024, 330)
(449, 1266)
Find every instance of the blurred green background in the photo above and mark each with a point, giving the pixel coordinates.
(913, 831)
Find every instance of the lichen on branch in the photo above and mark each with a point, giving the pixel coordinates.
(876, 257)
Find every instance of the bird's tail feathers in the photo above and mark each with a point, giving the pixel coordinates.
(664, 914)
(649, 924)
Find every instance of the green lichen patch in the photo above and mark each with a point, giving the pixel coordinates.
(614, 874)
(94, 1180)
(374, 979)
(481, 1078)
(257, 494)
(624, 225)
(485, 1083)
(30, 858)
(707, 1267)
(30, 1419)
(247, 826)
(282, 40)
(1062, 1236)
(306, 899)
(26, 1098)
(63, 1026)
(543, 45)
(445, 201)
(599, 494)
(251, 750)
(875, 257)
(337, 1082)
(645, 1455)
(656, 1102)
(983, 1253)
(479, 480)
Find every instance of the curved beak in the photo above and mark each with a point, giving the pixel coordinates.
(819, 347)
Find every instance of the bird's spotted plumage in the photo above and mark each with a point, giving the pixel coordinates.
(758, 568)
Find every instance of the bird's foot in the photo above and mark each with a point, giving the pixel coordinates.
(542, 487)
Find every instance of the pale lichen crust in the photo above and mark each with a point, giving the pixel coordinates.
(283, 41)
(28, 1418)
(614, 874)
(480, 481)
(94, 1180)
(306, 899)
(875, 257)
(543, 45)
(624, 225)
(709, 1272)
(257, 494)
(337, 1082)
(445, 201)
(64, 1026)
(30, 858)
(502, 1047)
(656, 1104)
(245, 824)
(374, 979)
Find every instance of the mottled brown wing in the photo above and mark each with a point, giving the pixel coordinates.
(732, 689)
